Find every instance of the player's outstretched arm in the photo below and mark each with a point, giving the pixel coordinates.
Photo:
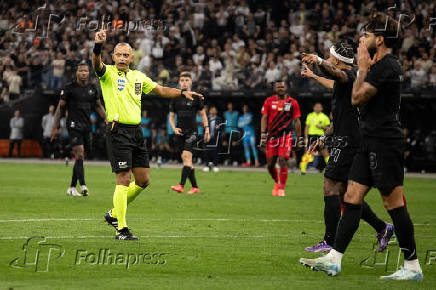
(60, 111)
(308, 73)
(167, 92)
(326, 66)
(97, 63)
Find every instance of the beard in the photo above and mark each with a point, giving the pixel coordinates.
(372, 52)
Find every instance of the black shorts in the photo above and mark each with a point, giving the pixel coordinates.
(80, 137)
(340, 161)
(186, 142)
(379, 162)
(126, 147)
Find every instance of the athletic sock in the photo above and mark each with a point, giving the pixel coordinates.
(335, 256)
(186, 171)
(274, 174)
(347, 226)
(120, 205)
(80, 171)
(369, 216)
(74, 177)
(192, 178)
(283, 177)
(404, 231)
(133, 192)
(332, 215)
(412, 265)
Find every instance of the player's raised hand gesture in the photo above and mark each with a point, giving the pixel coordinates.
(189, 95)
(309, 58)
(364, 60)
(100, 36)
(307, 72)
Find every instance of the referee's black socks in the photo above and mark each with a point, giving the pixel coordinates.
(347, 226)
(404, 231)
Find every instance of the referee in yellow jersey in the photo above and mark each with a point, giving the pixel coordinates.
(122, 89)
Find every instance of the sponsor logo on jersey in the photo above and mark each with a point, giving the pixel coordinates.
(91, 92)
(137, 88)
(288, 107)
(121, 83)
(274, 107)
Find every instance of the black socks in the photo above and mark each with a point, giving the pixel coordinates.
(186, 171)
(332, 215)
(78, 173)
(192, 178)
(347, 226)
(404, 231)
(369, 216)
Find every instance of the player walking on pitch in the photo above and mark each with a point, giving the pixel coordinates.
(78, 98)
(280, 113)
(122, 89)
(343, 139)
(379, 161)
(186, 131)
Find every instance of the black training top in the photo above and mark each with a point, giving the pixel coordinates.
(345, 115)
(186, 111)
(380, 115)
(80, 101)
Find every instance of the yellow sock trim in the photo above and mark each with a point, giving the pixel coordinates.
(134, 191)
(120, 205)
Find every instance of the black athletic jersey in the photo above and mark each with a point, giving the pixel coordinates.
(80, 101)
(186, 111)
(380, 115)
(345, 115)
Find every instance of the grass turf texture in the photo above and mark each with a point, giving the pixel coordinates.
(234, 235)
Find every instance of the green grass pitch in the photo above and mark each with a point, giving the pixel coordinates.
(234, 235)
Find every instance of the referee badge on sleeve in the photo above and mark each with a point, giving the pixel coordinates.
(137, 88)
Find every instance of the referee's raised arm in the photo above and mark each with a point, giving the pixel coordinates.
(97, 64)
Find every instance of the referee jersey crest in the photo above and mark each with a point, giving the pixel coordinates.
(121, 84)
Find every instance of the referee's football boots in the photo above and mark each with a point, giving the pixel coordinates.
(125, 234)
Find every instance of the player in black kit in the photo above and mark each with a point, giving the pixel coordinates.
(78, 98)
(186, 131)
(379, 159)
(343, 139)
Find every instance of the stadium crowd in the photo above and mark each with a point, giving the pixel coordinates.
(227, 45)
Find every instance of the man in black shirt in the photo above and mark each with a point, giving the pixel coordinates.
(78, 98)
(343, 139)
(379, 159)
(186, 130)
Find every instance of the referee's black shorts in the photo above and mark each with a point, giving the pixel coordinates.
(186, 142)
(339, 164)
(379, 162)
(126, 147)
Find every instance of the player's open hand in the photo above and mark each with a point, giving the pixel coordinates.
(307, 72)
(54, 133)
(206, 136)
(309, 58)
(316, 146)
(190, 95)
(363, 58)
(178, 131)
(100, 36)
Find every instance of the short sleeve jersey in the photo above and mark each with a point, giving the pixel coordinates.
(122, 93)
(281, 114)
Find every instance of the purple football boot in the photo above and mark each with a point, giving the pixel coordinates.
(384, 236)
(320, 247)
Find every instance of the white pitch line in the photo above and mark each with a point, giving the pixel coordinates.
(193, 219)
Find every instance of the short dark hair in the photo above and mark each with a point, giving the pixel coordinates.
(384, 25)
(185, 74)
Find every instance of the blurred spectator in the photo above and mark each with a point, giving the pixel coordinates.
(58, 70)
(231, 135)
(245, 122)
(211, 148)
(47, 125)
(418, 77)
(16, 124)
(432, 77)
(14, 83)
(146, 128)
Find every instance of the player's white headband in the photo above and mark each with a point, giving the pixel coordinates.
(340, 57)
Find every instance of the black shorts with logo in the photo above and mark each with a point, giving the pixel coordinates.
(339, 164)
(379, 162)
(187, 141)
(80, 137)
(126, 147)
